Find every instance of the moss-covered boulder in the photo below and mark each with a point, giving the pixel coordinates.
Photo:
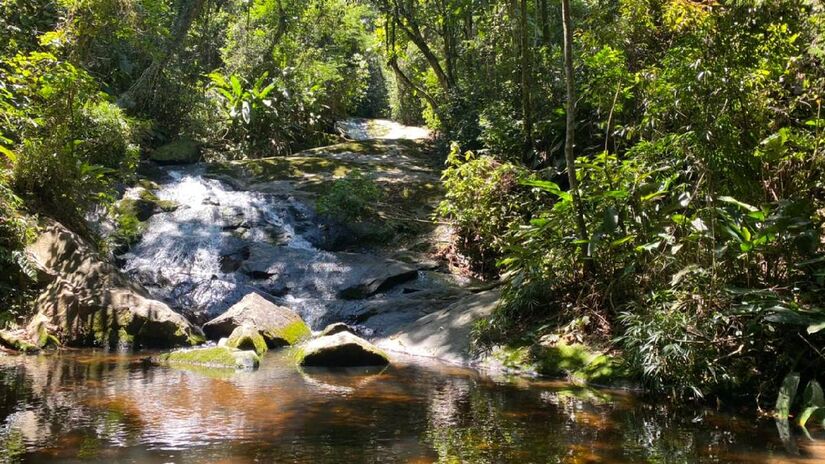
(246, 338)
(578, 362)
(340, 350)
(17, 340)
(221, 357)
(278, 325)
(181, 151)
(40, 332)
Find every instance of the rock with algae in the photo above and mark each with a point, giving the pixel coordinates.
(214, 357)
(247, 338)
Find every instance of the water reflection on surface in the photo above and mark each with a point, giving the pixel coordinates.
(87, 406)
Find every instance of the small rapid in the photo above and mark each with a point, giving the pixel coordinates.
(190, 257)
(220, 243)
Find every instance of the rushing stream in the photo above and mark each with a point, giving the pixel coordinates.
(85, 406)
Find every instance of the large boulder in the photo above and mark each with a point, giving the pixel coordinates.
(279, 325)
(215, 357)
(89, 302)
(341, 350)
(182, 151)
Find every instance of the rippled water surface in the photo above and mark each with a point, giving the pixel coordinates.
(91, 407)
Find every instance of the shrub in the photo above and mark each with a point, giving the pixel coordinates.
(484, 201)
(350, 199)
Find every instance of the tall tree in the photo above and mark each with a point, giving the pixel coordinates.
(141, 92)
(570, 109)
(527, 113)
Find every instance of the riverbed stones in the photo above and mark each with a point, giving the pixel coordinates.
(341, 350)
(214, 356)
(91, 303)
(246, 337)
(278, 325)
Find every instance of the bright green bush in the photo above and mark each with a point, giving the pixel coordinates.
(485, 201)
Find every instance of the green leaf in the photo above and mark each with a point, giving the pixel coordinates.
(813, 395)
(787, 393)
(8, 154)
(236, 86)
(622, 241)
(814, 328)
(807, 413)
(743, 205)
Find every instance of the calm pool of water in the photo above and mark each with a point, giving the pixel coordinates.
(86, 406)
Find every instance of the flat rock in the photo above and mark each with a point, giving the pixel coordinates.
(278, 325)
(443, 334)
(341, 350)
(351, 275)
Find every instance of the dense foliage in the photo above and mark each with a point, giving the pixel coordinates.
(700, 164)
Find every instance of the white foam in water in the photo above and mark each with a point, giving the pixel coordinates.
(179, 255)
(180, 251)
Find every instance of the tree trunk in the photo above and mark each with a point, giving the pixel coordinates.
(141, 91)
(570, 109)
(544, 21)
(526, 110)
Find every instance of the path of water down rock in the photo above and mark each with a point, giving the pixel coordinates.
(223, 242)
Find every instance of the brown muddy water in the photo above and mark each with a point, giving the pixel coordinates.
(87, 406)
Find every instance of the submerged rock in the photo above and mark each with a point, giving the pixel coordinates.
(277, 324)
(341, 350)
(246, 338)
(216, 356)
(91, 302)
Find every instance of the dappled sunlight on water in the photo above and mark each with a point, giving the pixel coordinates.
(99, 407)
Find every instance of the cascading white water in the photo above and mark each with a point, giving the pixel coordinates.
(182, 255)
(220, 244)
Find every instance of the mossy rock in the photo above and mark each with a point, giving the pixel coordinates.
(181, 151)
(17, 342)
(340, 350)
(278, 325)
(215, 357)
(579, 362)
(39, 333)
(247, 338)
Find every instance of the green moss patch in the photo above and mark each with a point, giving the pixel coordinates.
(579, 362)
(294, 332)
(182, 151)
(215, 357)
(247, 338)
